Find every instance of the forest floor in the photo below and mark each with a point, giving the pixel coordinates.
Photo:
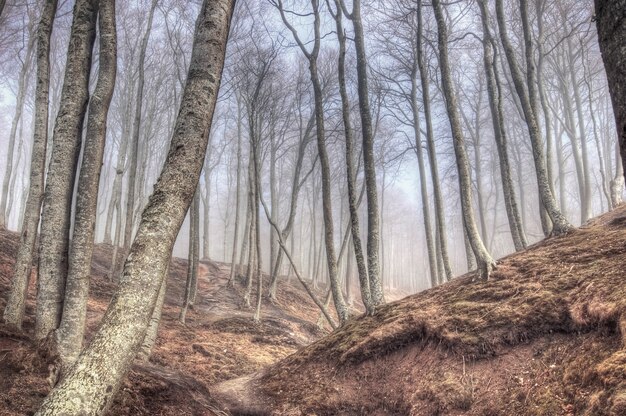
(219, 341)
(544, 336)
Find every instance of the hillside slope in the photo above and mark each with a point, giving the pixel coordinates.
(544, 336)
(219, 341)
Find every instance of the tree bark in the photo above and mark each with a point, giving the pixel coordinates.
(153, 327)
(16, 302)
(72, 328)
(193, 257)
(91, 384)
(611, 24)
(369, 162)
(483, 258)
(497, 117)
(57, 204)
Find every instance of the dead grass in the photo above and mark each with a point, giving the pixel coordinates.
(544, 336)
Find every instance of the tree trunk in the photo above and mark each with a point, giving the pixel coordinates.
(483, 258)
(234, 268)
(560, 223)
(364, 282)
(91, 384)
(430, 240)
(369, 162)
(497, 117)
(16, 302)
(66, 144)
(340, 304)
(153, 326)
(432, 154)
(133, 156)
(72, 328)
(191, 283)
(22, 87)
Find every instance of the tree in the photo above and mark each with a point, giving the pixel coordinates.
(355, 231)
(497, 117)
(312, 57)
(369, 163)
(57, 203)
(611, 24)
(14, 310)
(22, 87)
(483, 258)
(71, 330)
(91, 384)
(527, 97)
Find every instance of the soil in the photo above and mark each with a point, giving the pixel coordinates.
(218, 342)
(544, 336)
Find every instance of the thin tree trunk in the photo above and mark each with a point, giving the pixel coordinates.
(57, 203)
(369, 162)
(432, 154)
(72, 328)
(430, 240)
(22, 87)
(340, 304)
(234, 268)
(483, 258)
(16, 302)
(192, 258)
(91, 384)
(560, 223)
(133, 156)
(364, 282)
(497, 117)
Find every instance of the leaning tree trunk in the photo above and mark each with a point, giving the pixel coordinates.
(57, 204)
(14, 310)
(483, 258)
(560, 223)
(91, 384)
(611, 24)
(72, 328)
(432, 154)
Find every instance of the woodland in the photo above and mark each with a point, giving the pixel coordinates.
(312, 207)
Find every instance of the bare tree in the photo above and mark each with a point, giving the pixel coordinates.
(91, 384)
(527, 96)
(57, 203)
(72, 328)
(312, 57)
(485, 262)
(14, 310)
